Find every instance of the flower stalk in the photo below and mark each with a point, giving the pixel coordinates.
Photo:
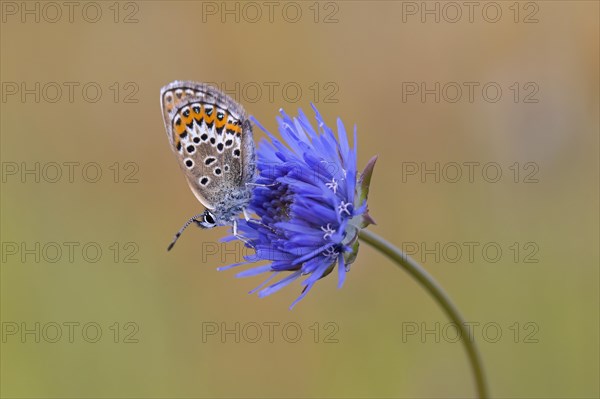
(440, 296)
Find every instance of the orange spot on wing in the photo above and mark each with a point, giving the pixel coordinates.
(199, 114)
(232, 127)
(177, 130)
(209, 119)
(220, 123)
(186, 120)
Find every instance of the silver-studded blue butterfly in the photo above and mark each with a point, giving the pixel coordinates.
(212, 139)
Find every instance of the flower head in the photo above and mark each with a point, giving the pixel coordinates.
(309, 203)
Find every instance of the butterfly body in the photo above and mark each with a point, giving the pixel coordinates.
(211, 137)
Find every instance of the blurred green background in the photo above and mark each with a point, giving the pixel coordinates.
(355, 60)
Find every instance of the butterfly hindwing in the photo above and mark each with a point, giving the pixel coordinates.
(209, 133)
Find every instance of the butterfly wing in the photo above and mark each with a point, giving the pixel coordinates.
(210, 135)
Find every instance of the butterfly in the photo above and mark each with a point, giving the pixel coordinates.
(211, 137)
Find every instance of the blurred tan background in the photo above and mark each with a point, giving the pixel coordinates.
(359, 60)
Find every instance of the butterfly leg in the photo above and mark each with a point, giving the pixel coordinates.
(262, 185)
(239, 236)
(249, 220)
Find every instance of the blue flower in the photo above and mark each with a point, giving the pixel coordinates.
(309, 203)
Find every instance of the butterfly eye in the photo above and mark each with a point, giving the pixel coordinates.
(208, 218)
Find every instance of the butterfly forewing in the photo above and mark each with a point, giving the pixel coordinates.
(209, 133)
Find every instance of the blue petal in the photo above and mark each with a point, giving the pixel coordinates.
(222, 268)
(254, 271)
(263, 283)
(304, 292)
(317, 274)
(280, 284)
(312, 254)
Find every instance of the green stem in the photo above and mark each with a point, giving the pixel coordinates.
(435, 290)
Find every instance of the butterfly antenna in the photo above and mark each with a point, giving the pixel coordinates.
(185, 226)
